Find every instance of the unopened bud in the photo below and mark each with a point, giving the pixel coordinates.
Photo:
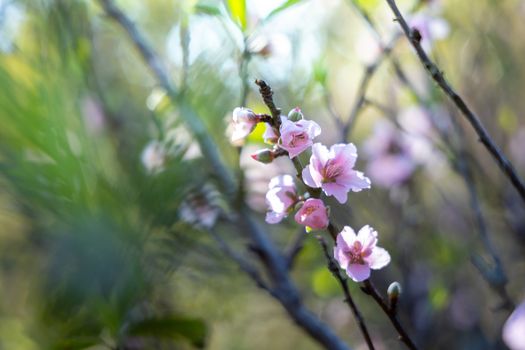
(394, 291)
(295, 114)
(265, 156)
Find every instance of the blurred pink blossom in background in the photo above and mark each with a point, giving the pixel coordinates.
(281, 197)
(390, 160)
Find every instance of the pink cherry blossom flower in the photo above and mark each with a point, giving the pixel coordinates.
(514, 329)
(357, 254)
(313, 214)
(281, 197)
(332, 170)
(297, 136)
(244, 121)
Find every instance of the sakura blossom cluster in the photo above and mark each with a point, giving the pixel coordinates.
(329, 171)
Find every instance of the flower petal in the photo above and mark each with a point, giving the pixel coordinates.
(347, 236)
(340, 256)
(345, 153)
(340, 192)
(358, 272)
(378, 259)
(367, 236)
(273, 217)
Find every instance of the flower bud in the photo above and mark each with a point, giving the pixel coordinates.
(244, 121)
(394, 291)
(295, 114)
(265, 156)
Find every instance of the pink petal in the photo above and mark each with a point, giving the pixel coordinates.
(340, 192)
(347, 236)
(355, 181)
(358, 272)
(344, 153)
(295, 151)
(273, 217)
(378, 259)
(514, 329)
(367, 236)
(320, 155)
(308, 179)
(340, 256)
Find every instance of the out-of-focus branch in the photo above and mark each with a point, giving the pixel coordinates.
(295, 248)
(494, 275)
(281, 284)
(332, 266)
(243, 264)
(504, 164)
(360, 100)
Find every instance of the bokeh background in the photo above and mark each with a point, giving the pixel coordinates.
(106, 202)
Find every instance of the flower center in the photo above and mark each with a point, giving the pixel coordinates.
(298, 138)
(356, 254)
(331, 171)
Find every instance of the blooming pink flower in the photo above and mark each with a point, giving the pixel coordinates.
(357, 254)
(244, 121)
(313, 214)
(281, 197)
(514, 329)
(332, 170)
(297, 136)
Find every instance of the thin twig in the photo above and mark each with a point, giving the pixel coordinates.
(332, 266)
(369, 288)
(504, 164)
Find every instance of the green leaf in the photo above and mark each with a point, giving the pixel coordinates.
(193, 330)
(281, 8)
(238, 12)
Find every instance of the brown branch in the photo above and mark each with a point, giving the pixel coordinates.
(504, 164)
(332, 266)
